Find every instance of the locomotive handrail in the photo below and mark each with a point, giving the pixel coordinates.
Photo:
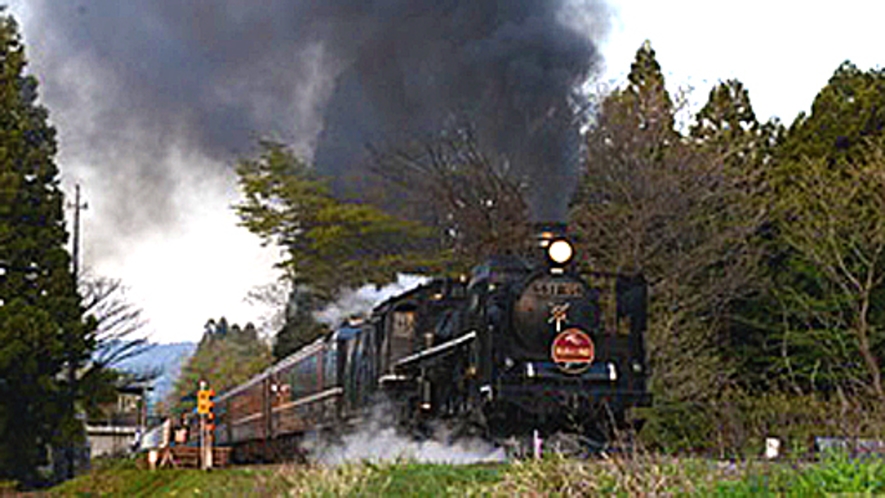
(437, 349)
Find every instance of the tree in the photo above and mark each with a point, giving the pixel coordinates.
(42, 327)
(329, 244)
(117, 321)
(299, 328)
(475, 205)
(678, 210)
(728, 126)
(29, 388)
(116, 338)
(815, 328)
(226, 357)
(846, 113)
(836, 229)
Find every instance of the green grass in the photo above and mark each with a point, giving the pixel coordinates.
(636, 475)
(125, 478)
(834, 474)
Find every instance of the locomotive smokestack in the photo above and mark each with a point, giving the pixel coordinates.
(549, 230)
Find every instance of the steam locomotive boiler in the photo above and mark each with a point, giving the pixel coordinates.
(525, 343)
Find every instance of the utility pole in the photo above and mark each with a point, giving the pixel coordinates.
(72, 363)
(77, 207)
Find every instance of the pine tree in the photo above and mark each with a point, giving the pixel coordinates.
(41, 327)
(631, 148)
(727, 118)
(226, 356)
(727, 130)
(847, 113)
(329, 244)
(646, 97)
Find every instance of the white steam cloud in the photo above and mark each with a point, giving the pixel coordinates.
(376, 441)
(360, 302)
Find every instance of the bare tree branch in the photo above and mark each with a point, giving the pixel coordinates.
(118, 321)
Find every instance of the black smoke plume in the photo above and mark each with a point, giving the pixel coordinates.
(131, 82)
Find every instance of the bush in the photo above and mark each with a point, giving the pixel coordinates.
(736, 424)
(677, 427)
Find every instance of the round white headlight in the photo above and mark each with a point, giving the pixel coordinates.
(560, 251)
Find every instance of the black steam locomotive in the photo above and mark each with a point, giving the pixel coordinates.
(524, 345)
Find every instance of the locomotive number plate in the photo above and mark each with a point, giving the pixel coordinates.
(547, 288)
(572, 350)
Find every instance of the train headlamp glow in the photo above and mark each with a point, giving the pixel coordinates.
(560, 251)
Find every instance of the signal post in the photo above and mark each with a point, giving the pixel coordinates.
(207, 423)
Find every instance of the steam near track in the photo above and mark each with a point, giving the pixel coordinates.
(376, 440)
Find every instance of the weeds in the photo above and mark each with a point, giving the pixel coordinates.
(636, 473)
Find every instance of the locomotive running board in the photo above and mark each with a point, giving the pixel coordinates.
(435, 351)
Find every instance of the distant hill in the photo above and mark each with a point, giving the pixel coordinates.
(168, 358)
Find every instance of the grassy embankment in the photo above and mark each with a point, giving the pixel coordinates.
(634, 476)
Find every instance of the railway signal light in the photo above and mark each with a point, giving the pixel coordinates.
(204, 401)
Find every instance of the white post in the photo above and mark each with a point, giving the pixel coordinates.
(772, 447)
(536, 444)
(208, 439)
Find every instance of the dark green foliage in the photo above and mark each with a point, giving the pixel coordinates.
(300, 327)
(41, 326)
(727, 126)
(647, 93)
(845, 116)
(329, 244)
(824, 307)
(30, 359)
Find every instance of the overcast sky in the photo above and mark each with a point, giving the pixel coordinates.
(199, 264)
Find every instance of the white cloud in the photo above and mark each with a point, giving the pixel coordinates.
(200, 269)
(784, 52)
